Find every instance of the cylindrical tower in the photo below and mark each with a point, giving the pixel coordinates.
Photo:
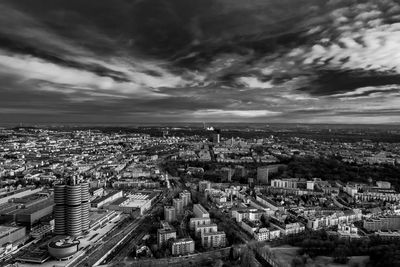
(71, 213)
(73, 201)
(59, 194)
(59, 220)
(84, 192)
(74, 220)
(85, 216)
(73, 196)
(59, 210)
(85, 205)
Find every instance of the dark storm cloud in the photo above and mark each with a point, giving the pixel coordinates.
(183, 60)
(332, 82)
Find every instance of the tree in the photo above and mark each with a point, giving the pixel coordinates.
(340, 254)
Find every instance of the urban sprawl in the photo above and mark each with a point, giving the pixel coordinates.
(198, 197)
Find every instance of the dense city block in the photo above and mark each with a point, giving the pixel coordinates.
(200, 195)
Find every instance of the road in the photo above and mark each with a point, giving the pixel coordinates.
(137, 233)
(103, 246)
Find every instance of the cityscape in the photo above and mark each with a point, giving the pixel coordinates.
(198, 195)
(200, 133)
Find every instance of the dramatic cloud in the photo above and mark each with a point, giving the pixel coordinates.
(313, 61)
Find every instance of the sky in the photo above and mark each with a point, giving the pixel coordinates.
(127, 61)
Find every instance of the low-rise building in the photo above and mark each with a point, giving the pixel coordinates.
(382, 223)
(101, 201)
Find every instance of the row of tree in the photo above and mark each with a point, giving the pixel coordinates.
(319, 243)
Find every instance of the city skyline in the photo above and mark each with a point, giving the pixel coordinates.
(304, 61)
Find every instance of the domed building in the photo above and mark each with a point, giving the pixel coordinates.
(63, 249)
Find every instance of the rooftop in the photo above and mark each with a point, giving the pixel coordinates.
(64, 243)
(6, 230)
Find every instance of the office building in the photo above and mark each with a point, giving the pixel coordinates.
(182, 246)
(200, 212)
(169, 214)
(71, 212)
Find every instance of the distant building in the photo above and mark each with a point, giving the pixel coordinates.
(178, 205)
(285, 183)
(264, 172)
(204, 185)
(321, 220)
(186, 197)
(240, 171)
(200, 212)
(96, 192)
(269, 203)
(169, 213)
(310, 185)
(383, 223)
(348, 231)
(226, 174)
(182, 246)
(216, 137)
(101, 201)
(383, 184)
(140, 201)
(262, 234)
(6, 196)
(248, 214)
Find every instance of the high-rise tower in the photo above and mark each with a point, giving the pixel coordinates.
(71, 213)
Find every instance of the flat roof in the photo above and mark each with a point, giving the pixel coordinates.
(35, 256)
(214, 233)
(100, 199)
(119, 201)
(202, 209)
(36, 207)
(5, 230)
(185, 239)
